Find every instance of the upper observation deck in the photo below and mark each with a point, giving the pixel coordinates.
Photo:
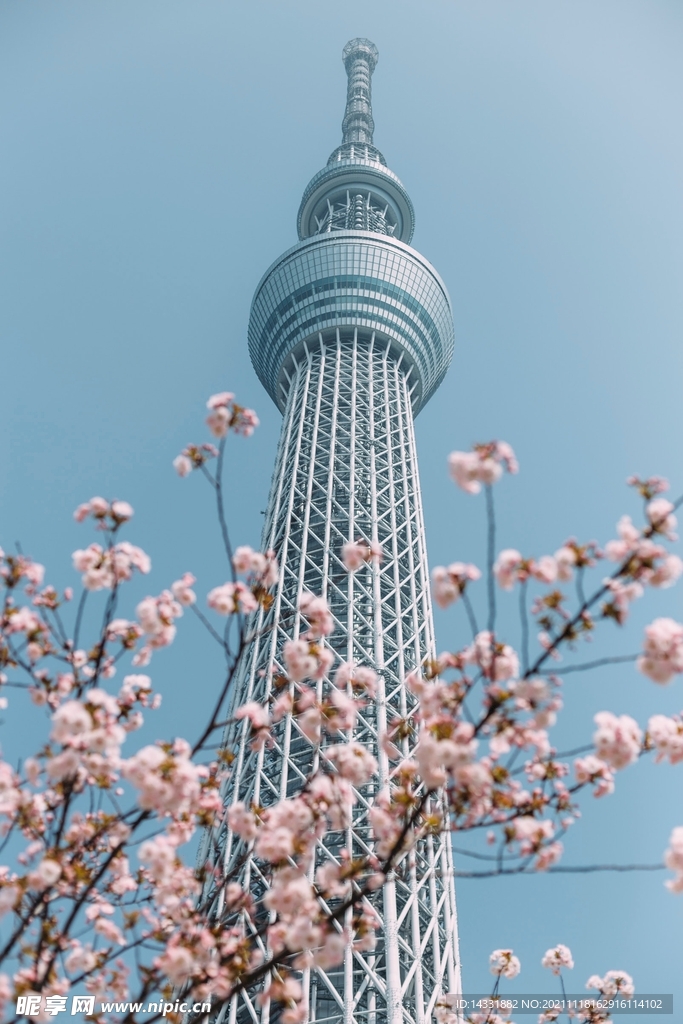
(353, 266)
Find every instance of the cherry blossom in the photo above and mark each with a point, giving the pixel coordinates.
(263, 568)
(614, 983)
(662, 656)
(109, 515)
(358, 553)
(504, 963)
(242, 821)
(531, 834)
(193, 457)
(104, 568)
(660, 513)
(182, 590)
(673, 858)
(352, 761)
(226, 415)
(498, 661)
(558, 957)
(300, 660)
(157, 615)
(618, 740)
(232, 599)
(506, 568)
(650, 487)
(448, 584)
(259, 720)
(46, 874)
(166, 779)
(361, 678)
(629, 539)
(317, 613)
(565, 560)
(621, 596)
(510, 568)
(667, 572)
(182, 465)
(593, 769)
(666, 735)
(483, 465)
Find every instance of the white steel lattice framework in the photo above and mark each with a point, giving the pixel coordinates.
(347, 470)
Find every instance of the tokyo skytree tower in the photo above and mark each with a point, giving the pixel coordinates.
(351, 333)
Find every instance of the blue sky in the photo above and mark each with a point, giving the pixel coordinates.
(154, 155)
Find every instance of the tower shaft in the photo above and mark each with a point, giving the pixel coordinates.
(347, 469)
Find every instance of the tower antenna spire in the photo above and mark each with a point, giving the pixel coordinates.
(360, 58)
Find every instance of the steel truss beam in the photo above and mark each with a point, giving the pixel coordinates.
(347, 470)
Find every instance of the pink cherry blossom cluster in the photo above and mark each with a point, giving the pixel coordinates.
(284, 835)
(238, 598)
(17, 569)
(573, 555)
(317, 612)
(24, 623)
(262, 568)
(594, 770)
(650, 487)
(105, 568)
(109, 515)
(483, 465)
(612, 984)
(157, 616)
(510, 568)
(356, 553)
(662, 656)
(182, 590)
(480, 791)
(194, 456)
(647, 562)
(335, 712)
(232, 599)
(167, 780)
(558, 957)
(673, 858)
(306, 659)
(449, 583)
(659, 512)
(360, 678)
(225, 415)
(504, 963)
(665, 734)
(618, 739)
(536, 838)
(497, 661)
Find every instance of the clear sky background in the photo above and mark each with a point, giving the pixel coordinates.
(154, 153)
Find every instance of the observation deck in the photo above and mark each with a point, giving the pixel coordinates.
(353, 267)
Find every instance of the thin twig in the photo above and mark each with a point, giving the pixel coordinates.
(616, 660)
(79, 616)
(205, 622)
(525, 625)
(220, 505)
(470, 614)
(560, 869)
(490, 556)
